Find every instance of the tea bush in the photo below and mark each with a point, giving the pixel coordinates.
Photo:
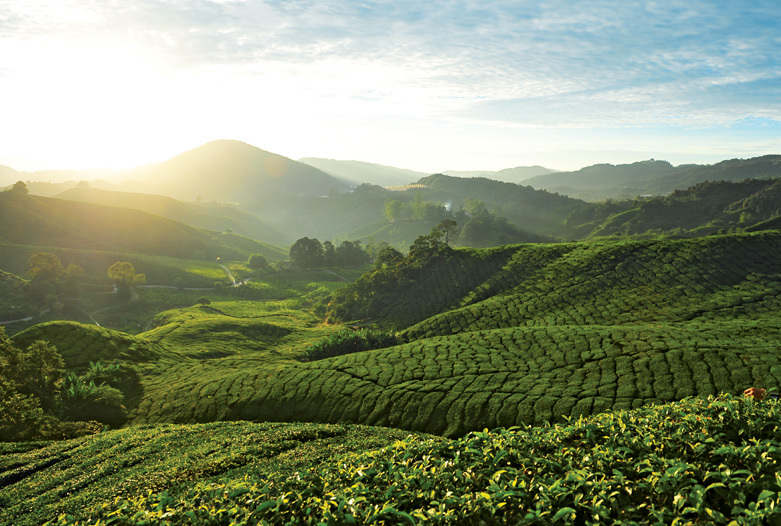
(708, 460)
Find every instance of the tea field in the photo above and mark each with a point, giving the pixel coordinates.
(573, 338)
(622, 332)
(707, 460)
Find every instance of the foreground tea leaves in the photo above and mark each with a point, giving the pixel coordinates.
(711, 460)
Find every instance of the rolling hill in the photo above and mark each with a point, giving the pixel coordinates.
(705, 208)
(516, 335)
(49, 222)
(235, 172)
(209, 216)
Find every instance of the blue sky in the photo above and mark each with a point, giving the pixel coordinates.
(430, 86)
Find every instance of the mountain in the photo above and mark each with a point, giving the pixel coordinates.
(766, 166)
(358, 172)
(508, 175)
(602, 181)
(211, 216)
(233, 171)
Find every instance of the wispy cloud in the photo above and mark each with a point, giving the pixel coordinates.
(555, 63)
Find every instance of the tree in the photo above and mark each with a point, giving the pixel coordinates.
(392, 209)
(351, 254)
(33, 372)
(446, 227)
(329, 254)
(44, 266)
(50, 283)
(257, 262)
(387, 257)
(307, 253)
(124, 277)
(20, 187)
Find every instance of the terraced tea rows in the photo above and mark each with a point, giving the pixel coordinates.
(536, 333)
(625, 283)
(501, 377)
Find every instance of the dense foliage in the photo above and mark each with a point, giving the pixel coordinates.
(38, 395)
(713, 460)
(349, 341)
(41, 480)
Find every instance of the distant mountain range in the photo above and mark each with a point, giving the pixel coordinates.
(236, 172)
(508, 175)
(651, 177)
(358, 172)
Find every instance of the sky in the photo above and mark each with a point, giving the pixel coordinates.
(429, 86)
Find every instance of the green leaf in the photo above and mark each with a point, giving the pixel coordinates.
(563, 512)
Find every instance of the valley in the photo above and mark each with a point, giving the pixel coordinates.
(491, 338)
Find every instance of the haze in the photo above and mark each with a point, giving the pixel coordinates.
(432, 86)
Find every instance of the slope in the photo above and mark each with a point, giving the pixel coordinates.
(705, 208)
(233, 171)
(514, 335)
(210, 216)
(49, 222)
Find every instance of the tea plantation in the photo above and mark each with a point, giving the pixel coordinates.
(484, 339)
(711, 460)
(535, 333)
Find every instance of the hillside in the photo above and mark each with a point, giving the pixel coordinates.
(235, 172)
(535, 211)
(705, 208)
(651, 177)
(516, 175)
(358, 172)
(602, 181)
(209, 216)
(496, 337)
(50, 222)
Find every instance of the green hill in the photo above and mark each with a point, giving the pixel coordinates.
(705, 208)
(535, 211)
(515, 335)
(48, 222)
(602, 181)
(209, 216)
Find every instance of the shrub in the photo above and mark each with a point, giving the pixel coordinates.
(82, 400)
(203, 300)
(349, 341)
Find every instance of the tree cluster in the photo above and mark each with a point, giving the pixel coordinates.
(397, 210)
(368, 296)
(311, 253)
(40, 400)
(52, 285)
